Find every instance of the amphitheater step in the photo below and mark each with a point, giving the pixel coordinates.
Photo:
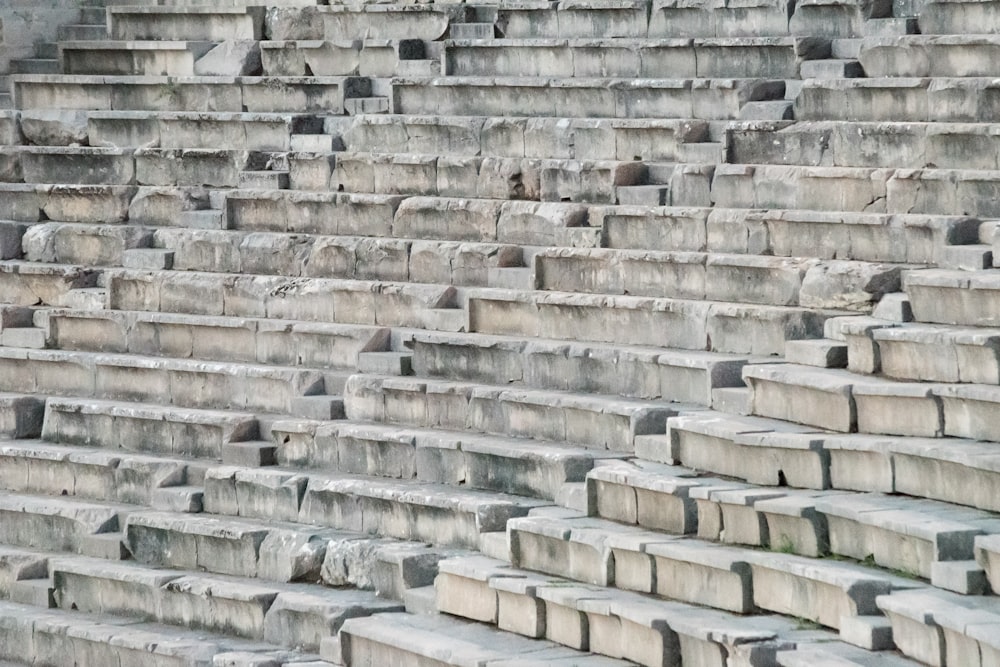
(282, 552)
(291, 615)
(433, 455)
(194, 23)
(61, 637)
(224, 339)
(127, 377)
(632, 371)
(391, 638)
(933, 626)
(59, 524)
(31, 466)
(601, 422)
(151, 429)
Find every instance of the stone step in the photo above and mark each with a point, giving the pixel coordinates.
(133, 58)
(292, 615)
(189, 383)
(492, 463)
(939, 537)
(957, 17)
(27, 283)
(151, 429)
(283, 552)
(836, 18)
(948, 296)
(943, 99)
(275, 297)
(838, 655)
(929, 352)
(869, 405)
(195, 93)
(368, 57)
(10, 124)
(640, 629)
(674, 323)
(930, 56)
(600, 422)
(717, 277)
(93, 15)
(825, 592)
(395, 638)
(737, 57)
(61, 637)
(933, 627)
(552, 138)
(640, 372)
(710, 99)
(224, 339)
(30, 466)
(343, 22)
(205, 23)
(60, 524)
(81, 32)
(488, 177)
(865, 144)
(405, 509)
(34, 202)
(341, 257)
(855, 189)
(184, 130)
(83, 244)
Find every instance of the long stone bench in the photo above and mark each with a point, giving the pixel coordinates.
(390, 637)
(104, 475)
(194, 93)
(27, 283)
(67, 203)
(492, 463)
(248, 340)
(185, 22)
(151, 429)
(938, 628)
(953, 297)
(158, 380)
(352, 258)
(640, 372)
(675, 323)
(57, 636)
(602, 422)
(930, 56)
(414, 511)
(777, 58)
(871, 237)
(717, 277)
(579, 138)
(369, 57)
(602, 98)
(913, 145)
(375, 21)
(134, 58)
(604, 621)
(951, 100)
(292, 615)
(171, 130)
(308, 299)
(60, 524)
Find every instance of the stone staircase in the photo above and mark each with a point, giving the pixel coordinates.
(577, 333)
